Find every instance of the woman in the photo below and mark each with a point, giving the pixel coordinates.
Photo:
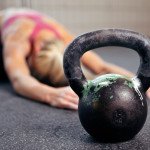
(33, 47)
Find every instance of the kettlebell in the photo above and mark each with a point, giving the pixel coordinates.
(112, 107)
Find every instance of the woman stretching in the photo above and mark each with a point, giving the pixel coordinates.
(32, 47)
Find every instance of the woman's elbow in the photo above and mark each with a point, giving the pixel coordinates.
(16, 86)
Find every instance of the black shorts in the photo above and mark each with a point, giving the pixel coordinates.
(3, 76)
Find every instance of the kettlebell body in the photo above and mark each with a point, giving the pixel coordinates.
(112, 107)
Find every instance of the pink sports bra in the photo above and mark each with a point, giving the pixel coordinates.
(40, 24)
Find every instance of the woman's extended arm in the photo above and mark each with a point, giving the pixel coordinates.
(16, 50)
(98, 66)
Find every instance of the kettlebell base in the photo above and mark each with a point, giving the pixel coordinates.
(112, 140)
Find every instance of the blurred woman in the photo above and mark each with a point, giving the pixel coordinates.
(32, 47)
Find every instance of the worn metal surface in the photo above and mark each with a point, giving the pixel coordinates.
(96, 109)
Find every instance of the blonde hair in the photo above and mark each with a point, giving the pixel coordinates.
(48, 64)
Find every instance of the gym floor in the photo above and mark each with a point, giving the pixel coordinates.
(29, 125)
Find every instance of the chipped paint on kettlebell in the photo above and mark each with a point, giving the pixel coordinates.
(98, 83)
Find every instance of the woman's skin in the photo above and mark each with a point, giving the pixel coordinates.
(17, 49)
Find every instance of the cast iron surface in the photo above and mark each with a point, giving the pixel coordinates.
(110, 105)
(115, 112)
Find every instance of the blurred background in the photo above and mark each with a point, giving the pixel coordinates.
(81, 16)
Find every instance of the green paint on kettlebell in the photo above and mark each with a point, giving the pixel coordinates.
(100, 82)
(129, 83)
(87, 88)
(111, 96)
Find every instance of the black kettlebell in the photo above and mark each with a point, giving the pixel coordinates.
(112, 107)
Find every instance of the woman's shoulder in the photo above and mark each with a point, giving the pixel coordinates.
(10, 24)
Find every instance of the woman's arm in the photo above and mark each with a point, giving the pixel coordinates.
(98, 66)
(15, 52)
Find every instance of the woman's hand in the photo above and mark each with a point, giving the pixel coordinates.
(63, 98)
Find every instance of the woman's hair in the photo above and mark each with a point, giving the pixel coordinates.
(48, 64)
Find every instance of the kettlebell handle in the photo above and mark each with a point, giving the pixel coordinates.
(102, 38)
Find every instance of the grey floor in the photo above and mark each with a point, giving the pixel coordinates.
(28, 125)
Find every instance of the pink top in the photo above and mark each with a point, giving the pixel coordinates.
(40, 24)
